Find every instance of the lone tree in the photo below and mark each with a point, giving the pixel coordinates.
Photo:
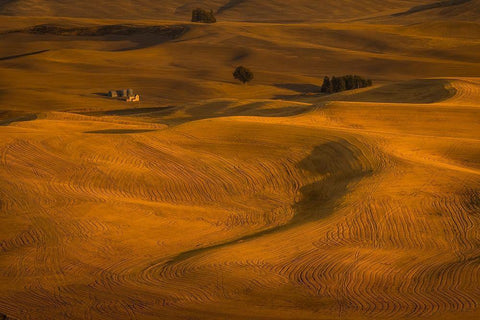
(204, 16)
(243, 74)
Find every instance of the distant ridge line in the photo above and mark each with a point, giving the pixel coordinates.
(424, 7)
(23, 55)
(229, 5)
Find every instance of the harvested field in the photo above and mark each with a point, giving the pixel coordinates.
(217, 200)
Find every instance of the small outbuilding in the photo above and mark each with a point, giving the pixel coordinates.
(133, 98)
(124, 94)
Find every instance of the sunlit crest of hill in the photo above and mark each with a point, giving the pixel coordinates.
(251, 10)
(212, 199)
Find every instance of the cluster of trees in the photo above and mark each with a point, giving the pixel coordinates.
(204, 16)
(244, 75)
(349, 82)
(330, 85)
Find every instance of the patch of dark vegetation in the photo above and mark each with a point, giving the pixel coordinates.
(23, 55)
(203, 16)
(435, 5)
(119, 131)
(348, 82)
(243, 74)
(168, 32)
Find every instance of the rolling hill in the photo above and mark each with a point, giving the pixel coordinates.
(209, 199)
(245, 10)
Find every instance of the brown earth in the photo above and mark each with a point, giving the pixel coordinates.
(215, 200)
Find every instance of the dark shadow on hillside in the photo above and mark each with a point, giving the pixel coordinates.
(119, 131)
(300, 87)
(256, 109)
(22, 118)
(170, 31)
(219, 109)
(435, 5)
(209, 110)
(5, 317)
(23, 55)
(142, 36)
(141, 112)
(101, 94)
(413, 91)
(240, 55)
(337, 164)
(302, 97)
(229, 5)
(304, 91)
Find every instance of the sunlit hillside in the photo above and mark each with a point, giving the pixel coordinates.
(250, 10)
(212, 199)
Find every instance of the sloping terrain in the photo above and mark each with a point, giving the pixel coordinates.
(209, 199)
(449, 9)
(251, 10)
(336, 211)
(431, 6)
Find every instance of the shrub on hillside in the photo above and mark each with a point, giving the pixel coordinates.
(348, 82)
(243, 74)
(204, 16)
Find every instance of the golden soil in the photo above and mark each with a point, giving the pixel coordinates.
(215, 200)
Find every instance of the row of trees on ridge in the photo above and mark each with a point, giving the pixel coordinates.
(203, 16)
(348, 82)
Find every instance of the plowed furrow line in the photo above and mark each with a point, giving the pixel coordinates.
(28, 238)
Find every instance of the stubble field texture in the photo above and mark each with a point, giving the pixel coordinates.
(210, 199)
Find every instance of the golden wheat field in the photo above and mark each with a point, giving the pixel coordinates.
(210, 199)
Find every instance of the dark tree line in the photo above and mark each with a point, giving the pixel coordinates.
(348, 82)
(204, 16)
